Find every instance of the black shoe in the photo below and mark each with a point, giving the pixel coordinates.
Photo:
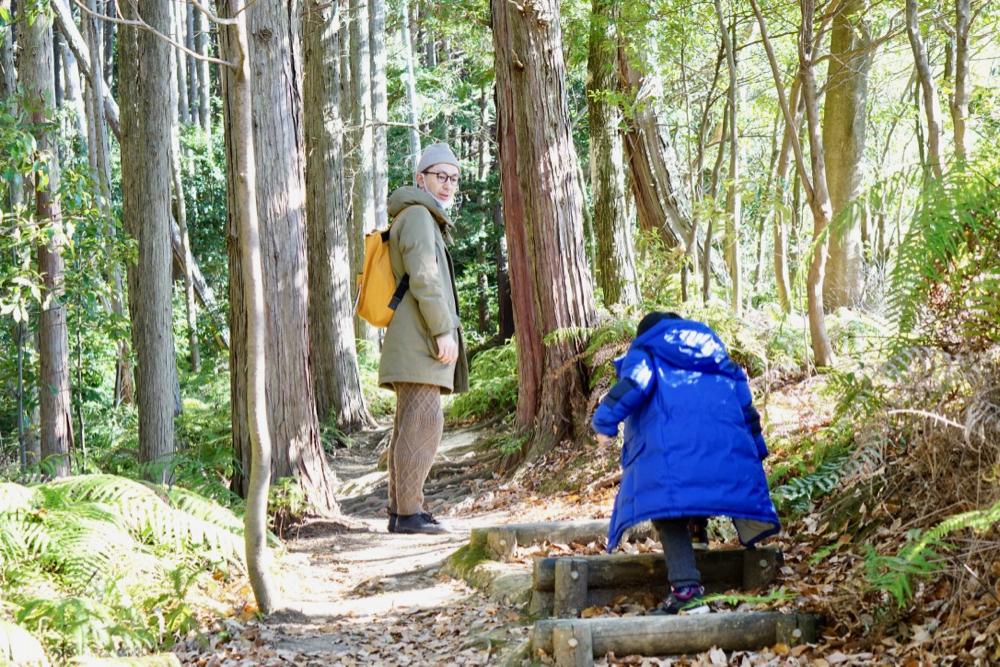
(419, 523)
(686, 599)
(392, 522)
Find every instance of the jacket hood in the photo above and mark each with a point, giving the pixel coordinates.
(684, 344)
(409, 195)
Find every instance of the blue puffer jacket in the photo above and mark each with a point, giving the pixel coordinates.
(693, 445)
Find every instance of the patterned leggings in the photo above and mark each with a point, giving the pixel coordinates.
(416, 434)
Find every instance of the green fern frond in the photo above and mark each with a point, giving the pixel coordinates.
(797, 493)
(15, 497)
(566, 335)
(943, 286)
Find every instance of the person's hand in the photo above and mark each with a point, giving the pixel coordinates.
(447, 349)
(604, 441)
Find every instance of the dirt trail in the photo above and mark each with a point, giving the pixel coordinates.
(367, 596)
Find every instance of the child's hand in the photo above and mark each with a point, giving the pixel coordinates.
(604, 441)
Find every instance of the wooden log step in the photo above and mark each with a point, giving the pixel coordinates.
(576, 642)
(502, 540)
(737, 568)
(566, 585)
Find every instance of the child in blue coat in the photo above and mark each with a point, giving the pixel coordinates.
(693, 446)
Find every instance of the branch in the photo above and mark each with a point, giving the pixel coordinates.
(212, 17)
(783, 101)
(145, 26)
(923, 413)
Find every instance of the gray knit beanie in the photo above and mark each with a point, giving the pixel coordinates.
(436, 154)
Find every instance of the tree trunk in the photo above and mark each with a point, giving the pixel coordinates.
(35, 74)
(146, 111)
(242, 179)
(201, 28)
(960, 98)
(926, 78)
(362, 165)
(784, 208)
(844, 133)
(411, 85)
(819, 200)
(380, 113)
(280, 193)
(97, 154)
(657, 187)
(108, 66)
(505, 306)
(8, 80)
(552, 289)
(331, 330)
(816, 188)
(180, 214)
(615, 256)
(734, 204)
(190, 65)
(57, 75)
(71, 79)
(180, 77)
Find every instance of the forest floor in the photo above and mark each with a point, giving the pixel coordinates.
(360, 595)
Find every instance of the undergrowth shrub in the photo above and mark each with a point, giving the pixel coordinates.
(947, 274)
(492, 385)
(108, 565)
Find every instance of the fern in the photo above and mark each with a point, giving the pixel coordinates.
(944, 286)
(919, 558)
(797, 493)
(492, 385)
(104, 563)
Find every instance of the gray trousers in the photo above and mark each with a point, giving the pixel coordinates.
(678, 552)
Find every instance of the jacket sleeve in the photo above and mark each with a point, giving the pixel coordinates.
(750, 414)
(416, 245)
(636, 381)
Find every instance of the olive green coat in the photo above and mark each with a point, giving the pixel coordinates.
(430, 306)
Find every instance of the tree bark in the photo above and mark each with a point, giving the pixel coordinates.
(8, 77)
(816, 187)
(243, 180)
(411, 85)
(615, 256)
(36, 78)
(552, 289)
(380, 113)
(734, 204)
(71, 80)
(180, 214)
(819, 200)
(657, 188)
(331, 330)
(98, 156)
(926, 78)
(960, 98)
(280, 192)
(784, 209)
(844, 135)
(144, 85)
(201, 27)
(190, 65)
(362, 166)
(179, 16)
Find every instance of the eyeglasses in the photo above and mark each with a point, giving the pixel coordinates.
(444, 178)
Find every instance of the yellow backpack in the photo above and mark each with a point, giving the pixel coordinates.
(378, 294)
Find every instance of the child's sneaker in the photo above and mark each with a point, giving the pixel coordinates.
(699, 534)
(686, 599)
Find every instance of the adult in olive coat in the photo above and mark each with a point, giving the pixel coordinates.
(429, 309)
(423, 353)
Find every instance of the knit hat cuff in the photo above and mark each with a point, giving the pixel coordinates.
(436, 154)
